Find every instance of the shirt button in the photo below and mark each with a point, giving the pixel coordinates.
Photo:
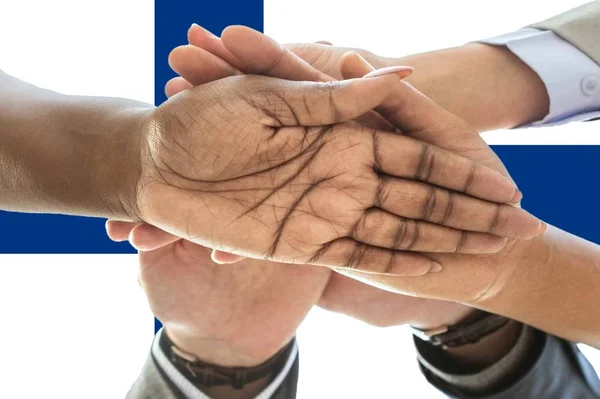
(590, 85)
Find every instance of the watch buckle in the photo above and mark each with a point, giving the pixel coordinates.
(426, 335)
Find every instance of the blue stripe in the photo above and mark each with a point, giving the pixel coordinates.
(560, 185)
(172, 21)
(20, 233)
(174, 18)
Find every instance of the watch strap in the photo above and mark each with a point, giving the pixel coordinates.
(206, 375)
(469, 331)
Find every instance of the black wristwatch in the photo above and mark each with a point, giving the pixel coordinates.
(205, 375)
(469, 331)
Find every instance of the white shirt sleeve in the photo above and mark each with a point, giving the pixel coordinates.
(191, 392)
(571, 77)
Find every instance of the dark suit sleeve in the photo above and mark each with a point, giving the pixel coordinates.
(160, 380)
(553, 369)
(153, 384)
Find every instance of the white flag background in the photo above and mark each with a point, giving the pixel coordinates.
(77, 326)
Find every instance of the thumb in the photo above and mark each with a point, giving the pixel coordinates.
(418, 116)
(261, 55)
(287, 103)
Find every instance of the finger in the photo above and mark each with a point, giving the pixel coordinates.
(145, 237)
(225, 258)
(316, 104)
(357, 67)
(416, 160)
(383, 229)
(348, 254)
(119, 231)
(352, 66)
(439, 206)
(260, 55)
(325, 42)
(176, 86)
(275, 60)
(416, 200)
(199, 66)
(421, 118)
(200, 37)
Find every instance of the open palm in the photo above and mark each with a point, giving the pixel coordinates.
(342, 294)
(335, 286)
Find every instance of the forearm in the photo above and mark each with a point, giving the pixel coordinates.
(553, 285)
(488, 86)
(550, 282)
(67, 154)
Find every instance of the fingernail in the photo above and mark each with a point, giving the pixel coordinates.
(210, 33)
(517, 197)
(364, 62)
(402, 71)
(435, 268)
(543, 228)
(195, 25)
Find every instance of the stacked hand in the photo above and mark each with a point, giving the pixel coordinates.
(252, 285)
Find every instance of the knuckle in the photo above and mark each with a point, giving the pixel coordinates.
(382, 194)
(414, 235)
(329, 87)
(372, 222)
(426, 163)
(356, 257)
(495, 220)
(400, 235)
(469, 183)
(462, 239)
(448, 212)
(429, 205)
(500, 221)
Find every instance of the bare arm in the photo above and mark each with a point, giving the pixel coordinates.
(491, 88)
(66, 154)
(488, 86)
(553, 285)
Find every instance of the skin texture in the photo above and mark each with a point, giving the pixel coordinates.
(239, 315)
(509, 277)
(375, 306)
(529, 293)
(328, 195)
(286, 178)
(341, 292)
(527, 280)
(517, 281)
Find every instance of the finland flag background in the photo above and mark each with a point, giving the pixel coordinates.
(74, 322)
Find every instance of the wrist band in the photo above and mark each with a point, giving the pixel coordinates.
(469, 331)
(206, 375)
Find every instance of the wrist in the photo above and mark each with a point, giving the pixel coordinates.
(486, 85)
(489, 349)
(104, 141)
(227, 382)
(117, 179)
(67, 154)
(220, 352)
(447, 314)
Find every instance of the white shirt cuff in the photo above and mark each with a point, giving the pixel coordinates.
(571, 77)
(191, 392)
